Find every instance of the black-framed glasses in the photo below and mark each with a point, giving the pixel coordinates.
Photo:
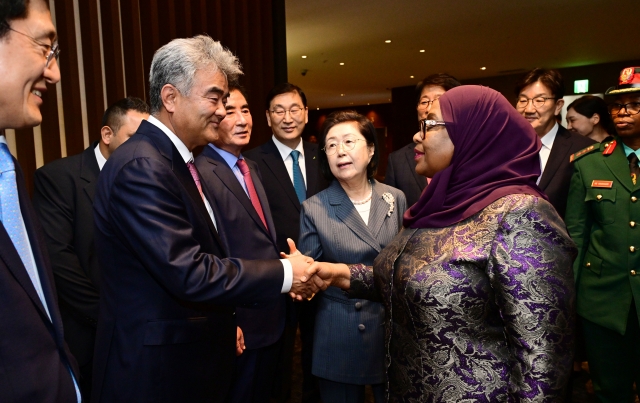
(52, 51)
(348, 144)
(632, 108)
(427, 124)
(294, 111)
(537, 102)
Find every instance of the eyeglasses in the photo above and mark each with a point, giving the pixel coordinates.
(427, 124)
(52, 51)
(537, 102)
(294, 112)
(426, 104)
(347, 145)
(632, 108)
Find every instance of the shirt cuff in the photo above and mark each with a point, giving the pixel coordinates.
(288, 276)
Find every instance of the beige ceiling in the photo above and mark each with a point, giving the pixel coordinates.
(458, 36)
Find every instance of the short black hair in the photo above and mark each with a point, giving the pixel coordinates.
(285, 88)
(589, 105)
(443, 80)
(551, 78)
(12, 10)
(234, 86)
(365, 127)
(113, 115)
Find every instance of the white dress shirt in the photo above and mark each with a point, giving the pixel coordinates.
(285, 153)
(99, 157)
(547, 144)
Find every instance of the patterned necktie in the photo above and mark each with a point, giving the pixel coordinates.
(196, 177)
(633, 167)
(12, 219)
(298, 179)
(253, 195)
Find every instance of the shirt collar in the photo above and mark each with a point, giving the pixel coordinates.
(286, 150)
(229, 158)
(186, 155)
(99, 157)
(628, 150)
(548, 138)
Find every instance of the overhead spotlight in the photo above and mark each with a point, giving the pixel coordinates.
(304, 56)
(387, 41)
(483, 68)
(341, 64)
(318, 109)
(341, 95)
(410, 76)
(421, 50)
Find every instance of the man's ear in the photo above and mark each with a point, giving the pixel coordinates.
(268, 118)
(168, 95)
(559, 106)
(106, 134)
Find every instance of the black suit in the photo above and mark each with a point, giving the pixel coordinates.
(557, 173)
(285, 210)
(401, 174)
(34, 359)
(167, 329)
(63, 198)
(245, 236)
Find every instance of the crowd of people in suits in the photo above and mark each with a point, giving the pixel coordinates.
(498, 245)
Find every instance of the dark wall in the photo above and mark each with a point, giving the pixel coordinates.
(403, 123)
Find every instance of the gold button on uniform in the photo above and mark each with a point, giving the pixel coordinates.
(599, 197)
(634, 199)
(633, 272)
(588, 264)
(632, 249)
(632, 224)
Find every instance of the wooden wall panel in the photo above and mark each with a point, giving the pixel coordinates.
(135, 73)
(112, 44)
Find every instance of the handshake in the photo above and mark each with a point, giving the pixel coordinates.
(310, 276)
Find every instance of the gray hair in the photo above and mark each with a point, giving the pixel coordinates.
(176, 63)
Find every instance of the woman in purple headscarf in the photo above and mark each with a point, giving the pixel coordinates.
(478, 286)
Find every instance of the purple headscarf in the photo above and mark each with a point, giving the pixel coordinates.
(496, 154)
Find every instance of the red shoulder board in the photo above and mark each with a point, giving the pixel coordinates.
(609, 148)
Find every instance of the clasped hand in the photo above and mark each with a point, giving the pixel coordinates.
(306, 283)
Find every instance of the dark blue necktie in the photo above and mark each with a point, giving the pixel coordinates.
(298, 180)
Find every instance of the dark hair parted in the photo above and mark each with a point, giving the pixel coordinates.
(443, 80)
(285, 88)
(589, 105)
(552, 79)
(234, 86)
(11, 10)
(365, 127)
(113, 115)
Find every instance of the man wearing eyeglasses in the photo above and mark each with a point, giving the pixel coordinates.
(603, 218)
(540, 94)
(290, 175)
(35, 363)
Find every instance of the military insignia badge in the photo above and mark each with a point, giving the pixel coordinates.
(601, 184)
(581, 153)
(626, 75)
(609, 148)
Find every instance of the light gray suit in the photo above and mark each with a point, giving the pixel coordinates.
(349, 333)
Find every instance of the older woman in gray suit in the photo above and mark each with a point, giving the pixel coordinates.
(349, 222)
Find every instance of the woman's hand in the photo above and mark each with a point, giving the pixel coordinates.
(334, 274)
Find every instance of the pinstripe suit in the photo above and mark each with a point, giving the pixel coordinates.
(349, 333)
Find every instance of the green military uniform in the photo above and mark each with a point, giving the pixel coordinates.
(603, 218)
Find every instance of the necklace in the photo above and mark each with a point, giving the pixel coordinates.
(359, 202)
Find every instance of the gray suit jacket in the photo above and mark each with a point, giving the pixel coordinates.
(349, 333)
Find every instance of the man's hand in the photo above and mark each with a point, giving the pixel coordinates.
(293, 251)
(240, 347)
(302, 272)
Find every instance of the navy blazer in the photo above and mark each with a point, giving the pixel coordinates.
(401, 174)
(245, 236)
(166, 331)
(34, 359)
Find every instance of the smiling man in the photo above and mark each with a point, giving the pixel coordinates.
(35, 363)
(540, 94)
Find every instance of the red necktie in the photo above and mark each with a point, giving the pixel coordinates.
(196, 177)
(253, 195)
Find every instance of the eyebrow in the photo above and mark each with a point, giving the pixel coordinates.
(542, 94)
(217, 90)
(282, 106)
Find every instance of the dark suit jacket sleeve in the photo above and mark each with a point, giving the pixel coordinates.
(53, 201)
(577, 218)
(147, 205)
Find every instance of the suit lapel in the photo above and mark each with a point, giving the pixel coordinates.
(262, 195)
(89, 171)
(347, 213)
(619, 166)
(273, 160)
(421, 181)
(559, 152)
(378, 214)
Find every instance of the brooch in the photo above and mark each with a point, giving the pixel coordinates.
(388, 197)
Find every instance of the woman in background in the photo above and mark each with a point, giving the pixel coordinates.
(351, 222)
(589, 117)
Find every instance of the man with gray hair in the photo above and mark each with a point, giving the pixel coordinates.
(166, 330)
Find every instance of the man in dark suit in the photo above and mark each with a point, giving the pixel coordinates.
(540, 94)
(167, 329)
(35, 363)
(290, 174)
(63, 198)
(401, 165)
(239, 195)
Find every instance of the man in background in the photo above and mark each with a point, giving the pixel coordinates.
(35, 363)
(63, 198)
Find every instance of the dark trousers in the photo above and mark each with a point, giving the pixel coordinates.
(255, 375)
(337, 392)
(614, 359)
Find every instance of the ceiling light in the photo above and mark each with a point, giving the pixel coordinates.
(421, 50)
(341, 64)
(410, 76)
(304, 57)
(317, 109)
(387, 41)
(483, 68)
(368, 103)
(341, 95)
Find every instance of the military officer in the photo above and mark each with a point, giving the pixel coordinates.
(603, 218)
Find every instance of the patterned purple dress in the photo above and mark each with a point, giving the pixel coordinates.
(481, 311)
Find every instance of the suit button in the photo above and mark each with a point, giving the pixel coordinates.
(632, 249)
(361, 327)
(599, 197)
(358, 305)
(588, 264)
(634, 199)
(632, 224)
(633, 272)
